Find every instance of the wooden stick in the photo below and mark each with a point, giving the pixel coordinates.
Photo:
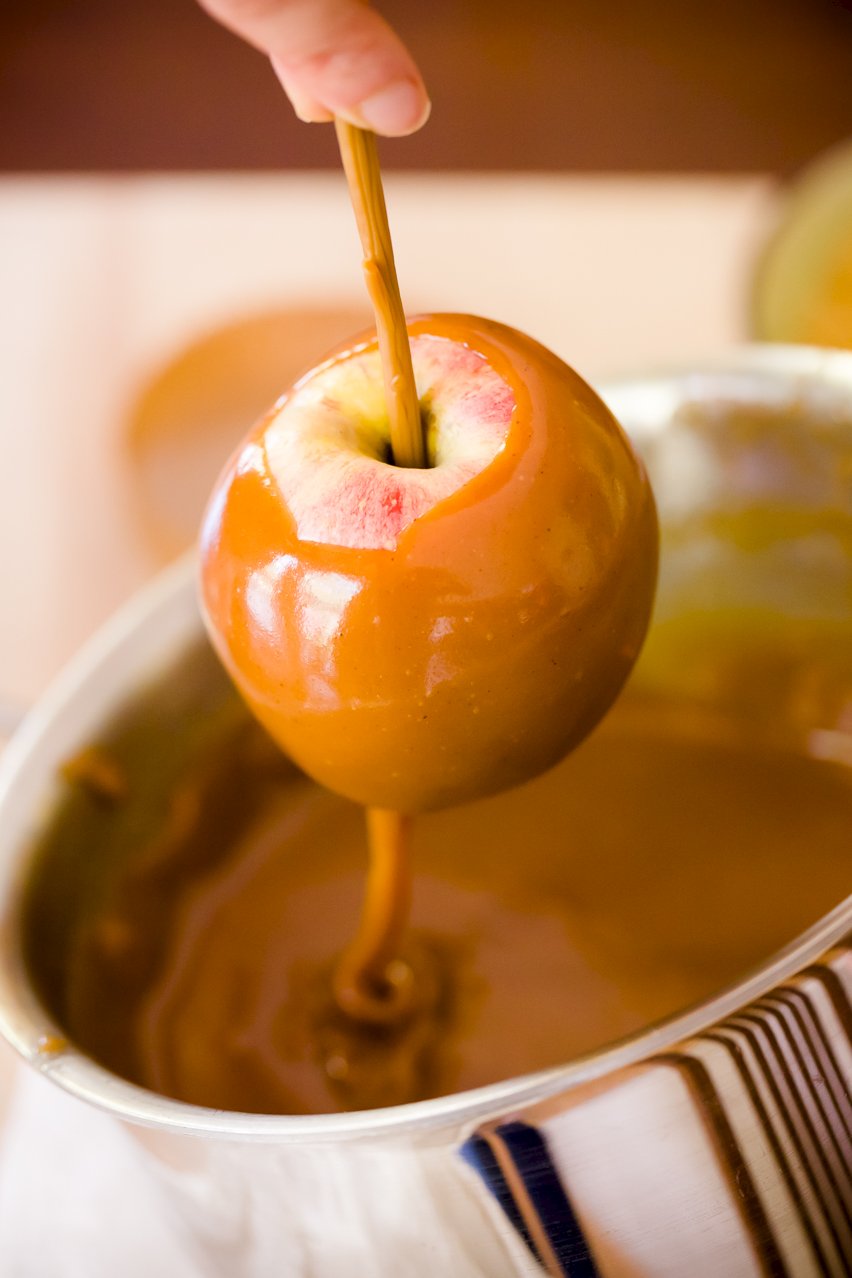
(371, 982)
(361, 164)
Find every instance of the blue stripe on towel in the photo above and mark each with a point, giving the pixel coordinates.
(528, 1151)
(531, 1157)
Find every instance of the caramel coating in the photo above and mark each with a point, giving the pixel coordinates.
(481, 642)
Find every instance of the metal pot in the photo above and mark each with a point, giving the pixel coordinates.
(717, 1143)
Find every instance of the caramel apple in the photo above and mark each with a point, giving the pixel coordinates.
(418, 637)
(429, 571)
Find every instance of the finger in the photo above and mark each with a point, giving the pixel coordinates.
(337, 56)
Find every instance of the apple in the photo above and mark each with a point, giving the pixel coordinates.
(417, 638)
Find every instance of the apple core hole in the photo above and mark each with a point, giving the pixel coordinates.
(427, 420)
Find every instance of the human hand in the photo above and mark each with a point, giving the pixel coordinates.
(333, 57)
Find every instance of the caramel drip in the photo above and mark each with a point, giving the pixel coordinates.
(372, 983)
(361, 164)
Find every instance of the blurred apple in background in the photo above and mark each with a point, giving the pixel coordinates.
(803, 283)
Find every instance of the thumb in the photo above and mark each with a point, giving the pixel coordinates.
(334, 57)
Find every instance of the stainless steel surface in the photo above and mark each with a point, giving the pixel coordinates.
(716, 1143)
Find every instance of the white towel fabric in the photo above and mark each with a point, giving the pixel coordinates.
(81, 1196)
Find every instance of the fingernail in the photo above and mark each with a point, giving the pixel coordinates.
(400, 107)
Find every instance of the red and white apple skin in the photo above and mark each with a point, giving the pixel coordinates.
(419, 638)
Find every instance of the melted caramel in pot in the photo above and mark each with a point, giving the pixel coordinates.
(186, 937)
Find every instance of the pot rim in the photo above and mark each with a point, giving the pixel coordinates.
(167, 607)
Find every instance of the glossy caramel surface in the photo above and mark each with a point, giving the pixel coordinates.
(482, 645)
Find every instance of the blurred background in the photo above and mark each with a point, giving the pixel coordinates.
(556, 85)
